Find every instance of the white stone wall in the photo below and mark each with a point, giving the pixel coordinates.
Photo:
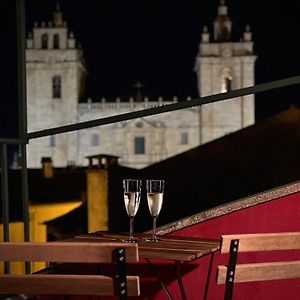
(162, 133)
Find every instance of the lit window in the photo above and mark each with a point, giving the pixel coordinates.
(139, 145)
(226, 80)
(95, 141)
(56, 87)
(52, 142)
(228, 84)
(45, 41)
(184, 138)
(56, 41)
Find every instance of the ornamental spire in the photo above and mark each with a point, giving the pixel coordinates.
(57, 16)
(205, 35)
(222, 24)
(247, 34)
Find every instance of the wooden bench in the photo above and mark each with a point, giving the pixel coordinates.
(234, 244)
(118, 254)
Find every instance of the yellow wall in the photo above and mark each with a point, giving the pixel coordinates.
(16, 234)
(38, 214)
(41, 213)
(97, 194)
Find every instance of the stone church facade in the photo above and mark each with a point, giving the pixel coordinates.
(55, 90)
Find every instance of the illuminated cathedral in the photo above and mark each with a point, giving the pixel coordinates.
(56, 96)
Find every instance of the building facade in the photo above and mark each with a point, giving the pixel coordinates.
(138, 142)
(55, 85)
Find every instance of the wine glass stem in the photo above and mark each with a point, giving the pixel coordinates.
(131, 228)
(154, 227)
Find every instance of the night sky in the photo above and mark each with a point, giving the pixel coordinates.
(156, 42)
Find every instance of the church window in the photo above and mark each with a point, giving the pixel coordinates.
(56, 87)
(45, 41)
(228, 84)
(226, 80)
(56, 41)
(95, 140)
(52, 142)
(184, 138)
(139, 145)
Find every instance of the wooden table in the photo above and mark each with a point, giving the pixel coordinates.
(178, 249)
(182, 249)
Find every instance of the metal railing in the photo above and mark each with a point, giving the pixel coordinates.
(24, 136)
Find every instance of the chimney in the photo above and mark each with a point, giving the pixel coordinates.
(97, 191)
(47, 167)
(104, 161)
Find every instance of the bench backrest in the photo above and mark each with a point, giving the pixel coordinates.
(71, 284)
(234, 244)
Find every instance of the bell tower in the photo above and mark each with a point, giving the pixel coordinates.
(223, 65)
(55, 84)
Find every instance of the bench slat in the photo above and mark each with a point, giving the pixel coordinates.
(262, 241)
(96, 285)
(66, 252)
(261, 271)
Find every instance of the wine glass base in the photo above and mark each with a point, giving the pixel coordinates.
(152, 239)
(130, 240)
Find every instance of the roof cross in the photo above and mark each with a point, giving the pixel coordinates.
(138, 85)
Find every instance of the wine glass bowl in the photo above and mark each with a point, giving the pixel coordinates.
(155, 203)
(132, 196)
(155, 193)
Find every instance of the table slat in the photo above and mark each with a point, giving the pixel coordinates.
(168, 248)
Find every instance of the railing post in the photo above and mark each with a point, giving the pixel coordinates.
(21, 40)
(25, 200)
(5, 203)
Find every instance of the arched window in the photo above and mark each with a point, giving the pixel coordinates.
(56, 41)
(56, 87)
(228, 84)
(45, 41)
(226, 80)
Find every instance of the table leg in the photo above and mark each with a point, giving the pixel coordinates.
(179, 280)
(159, 279)
(208, 275)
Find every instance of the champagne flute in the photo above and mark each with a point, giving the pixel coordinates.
(155, 193)
(132, 196)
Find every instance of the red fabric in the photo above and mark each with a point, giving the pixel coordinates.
(279, 215)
